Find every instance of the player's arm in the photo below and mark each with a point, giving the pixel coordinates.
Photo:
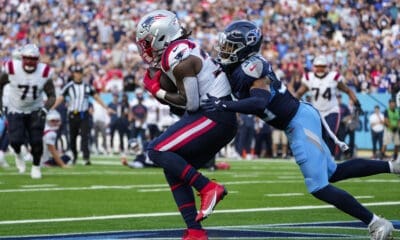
(152, 84)
(344, 88)
(50, 91)
(185, 74)
(54, 153)
(3, 81)
(254, 104)
(301, 91)
(303, 87)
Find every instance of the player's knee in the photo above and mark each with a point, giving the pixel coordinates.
(156, 157)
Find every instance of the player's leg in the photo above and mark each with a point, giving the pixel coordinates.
(16, 131)
(186, 146)
(316, 164)
(35, 130)
(74, 123)
(184, 199)
(360, 167)
(85, 136)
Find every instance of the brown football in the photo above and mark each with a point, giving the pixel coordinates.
(165, 82)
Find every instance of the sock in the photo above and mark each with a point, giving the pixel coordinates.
(359, 167)
(344, 202)
(184, 199)
(374, 219)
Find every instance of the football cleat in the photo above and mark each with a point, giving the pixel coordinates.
(3, 163)
(210, 195)
(36, 173)
(20, 163)
(195, 234)
(381, 229)
(396, 166)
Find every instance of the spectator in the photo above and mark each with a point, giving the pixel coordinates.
(377, 123)
(392, 124)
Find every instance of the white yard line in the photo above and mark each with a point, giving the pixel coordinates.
(167, 214)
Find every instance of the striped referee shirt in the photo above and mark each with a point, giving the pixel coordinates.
(78, 96)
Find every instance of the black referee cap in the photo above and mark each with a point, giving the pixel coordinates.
(76, 68)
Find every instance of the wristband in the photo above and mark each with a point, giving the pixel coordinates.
(161, 94)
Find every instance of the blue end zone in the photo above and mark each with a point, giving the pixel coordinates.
(216, 233)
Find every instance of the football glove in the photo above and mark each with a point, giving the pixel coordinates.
(42, 113)
(152, 84)
(213, 104)
(358, 108)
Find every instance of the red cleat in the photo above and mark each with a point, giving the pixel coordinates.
(210, 196)
(195, 234)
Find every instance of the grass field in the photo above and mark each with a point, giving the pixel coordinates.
(264, 196)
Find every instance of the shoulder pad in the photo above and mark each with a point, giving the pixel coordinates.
(253, 67)
(175, 53)
(8, 67)
(46, 71)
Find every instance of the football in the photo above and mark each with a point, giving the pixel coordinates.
(165, 82)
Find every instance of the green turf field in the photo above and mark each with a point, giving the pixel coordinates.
(110, 197)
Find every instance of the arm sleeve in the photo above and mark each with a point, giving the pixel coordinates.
(256, 103)
(192, 93)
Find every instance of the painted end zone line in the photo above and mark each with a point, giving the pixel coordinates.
(140, 215)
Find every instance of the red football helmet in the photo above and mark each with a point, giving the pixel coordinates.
(30, 57)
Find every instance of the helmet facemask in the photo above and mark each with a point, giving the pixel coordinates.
(30, 57)
(227, 50)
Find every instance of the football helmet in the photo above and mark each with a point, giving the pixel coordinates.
(53, 119)
(239, 40)
(320, 64)
(154, 32)
(30, 57)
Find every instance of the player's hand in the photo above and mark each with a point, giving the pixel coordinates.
(152, 84)
(213, 104)
(358, 108)
(42, 113)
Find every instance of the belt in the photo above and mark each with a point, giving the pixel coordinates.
(76, 112)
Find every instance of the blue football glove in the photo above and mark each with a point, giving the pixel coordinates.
(213, 104)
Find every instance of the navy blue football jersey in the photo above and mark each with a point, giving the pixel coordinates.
(282, 105)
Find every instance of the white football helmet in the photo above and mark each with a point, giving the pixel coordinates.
(320, 64)
(154, 32)
(53, 119)
(30, 57)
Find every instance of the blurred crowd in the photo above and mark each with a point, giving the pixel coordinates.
(360, 38)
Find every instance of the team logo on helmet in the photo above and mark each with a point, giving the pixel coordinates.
(253, 36)
(150, 20)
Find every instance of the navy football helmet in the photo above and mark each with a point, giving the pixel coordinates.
(239, 40)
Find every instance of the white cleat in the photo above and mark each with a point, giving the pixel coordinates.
(381, 229)
(3, 163)
(395, 166)
(20, 164)
(36, 173)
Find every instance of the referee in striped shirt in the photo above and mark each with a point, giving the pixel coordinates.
(77, 93)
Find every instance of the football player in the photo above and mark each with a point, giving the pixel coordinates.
(28, 79)
(50, 156)
(193, 140)
(323, 86)
(259, 92)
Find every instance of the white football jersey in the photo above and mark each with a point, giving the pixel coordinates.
(25, 89)
(323, 91)
(211, 79)
(49, 138)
